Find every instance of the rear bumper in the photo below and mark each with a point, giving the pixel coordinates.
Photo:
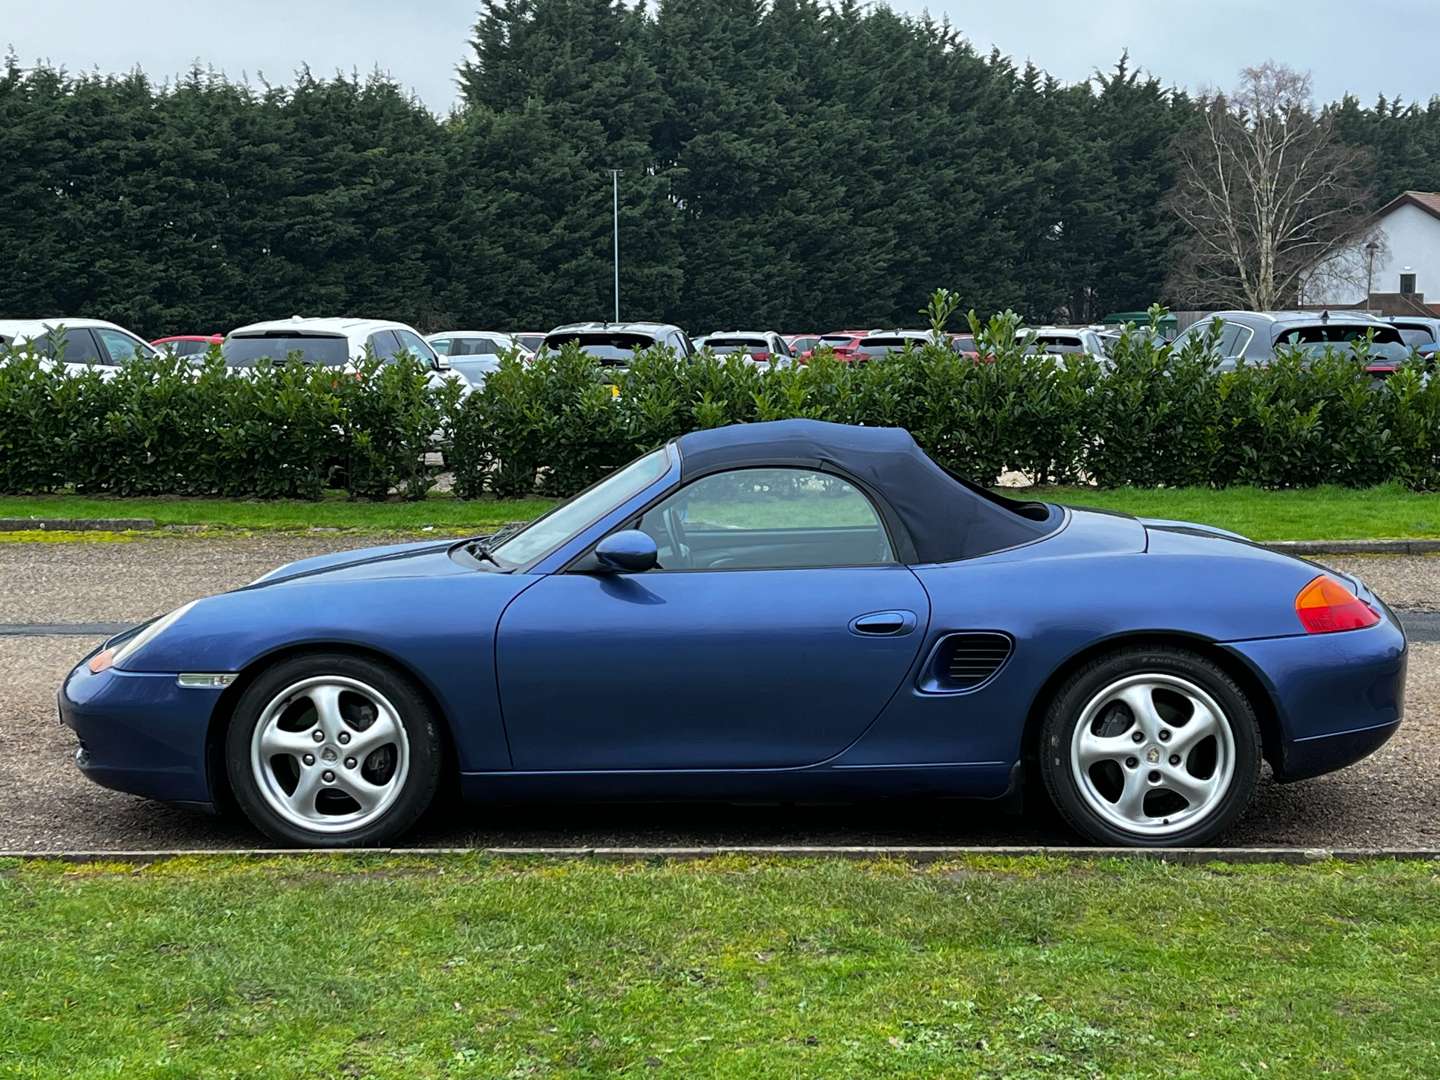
(140, 732)
(1337, 697)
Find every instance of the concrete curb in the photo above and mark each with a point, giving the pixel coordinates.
(1354, 547)
(918, 854)
(75, 524)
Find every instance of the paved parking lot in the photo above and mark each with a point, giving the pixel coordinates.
(1389, 800)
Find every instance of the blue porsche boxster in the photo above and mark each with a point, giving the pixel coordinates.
(777, 610)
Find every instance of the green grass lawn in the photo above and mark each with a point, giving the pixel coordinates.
(466, 966)
(1326, 513)
(440, 512)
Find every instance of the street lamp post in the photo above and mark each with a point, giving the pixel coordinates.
(1370, 249)
(615, 202)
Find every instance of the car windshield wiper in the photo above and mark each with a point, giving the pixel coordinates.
(479, 550)
(483, 547)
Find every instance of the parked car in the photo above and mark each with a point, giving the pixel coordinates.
(615, 344)
(81, 344)
(1061, 341)
(1419, 334)
(802, 345)
(475, 353)
(1254, 336)
(842, 343)
(785, 610)
(530, 340)
(761, 346)
(187, 345)
(333, 342)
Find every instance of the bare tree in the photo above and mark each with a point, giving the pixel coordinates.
(1267, 191)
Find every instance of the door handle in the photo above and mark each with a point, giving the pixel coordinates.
(883, 623)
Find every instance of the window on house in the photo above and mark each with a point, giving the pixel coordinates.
(1407, 284)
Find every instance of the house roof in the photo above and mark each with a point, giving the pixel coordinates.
(1429, 201)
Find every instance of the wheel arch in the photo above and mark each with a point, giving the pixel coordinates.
(220, 716)
(1244, 676)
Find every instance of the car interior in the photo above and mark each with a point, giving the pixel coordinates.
(754, 519)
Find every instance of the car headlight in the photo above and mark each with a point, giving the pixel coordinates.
(107, 658)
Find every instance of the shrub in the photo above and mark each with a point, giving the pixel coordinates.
(1151, 415)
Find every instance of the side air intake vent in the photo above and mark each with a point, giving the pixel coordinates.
(964, 661)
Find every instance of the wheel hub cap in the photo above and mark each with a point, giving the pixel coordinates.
(1186, 756)
(300, 740)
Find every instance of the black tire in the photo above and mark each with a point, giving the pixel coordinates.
(1065, 711)
(422, 732)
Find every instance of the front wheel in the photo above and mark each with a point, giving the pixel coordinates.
(1152, 747)
(333, 751)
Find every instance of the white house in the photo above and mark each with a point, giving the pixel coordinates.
(1409, 259)
(1401, 264)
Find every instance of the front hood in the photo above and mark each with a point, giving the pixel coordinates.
(424, 558)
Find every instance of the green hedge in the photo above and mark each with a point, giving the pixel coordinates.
(162, 427)
(1153, 416)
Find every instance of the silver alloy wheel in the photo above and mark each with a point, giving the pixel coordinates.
(1153, 752)
(311, 763)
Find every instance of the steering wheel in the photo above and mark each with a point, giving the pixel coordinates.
(675, 530)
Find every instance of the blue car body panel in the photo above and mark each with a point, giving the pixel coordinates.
(748, 683)
(702, 670)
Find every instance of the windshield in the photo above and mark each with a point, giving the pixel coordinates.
(310, 349)
(724, 346)
(1307, 335)
(879, 346)
(552, 530)
(187, 348)
(474, 368)
(477, 346)
(1385, 351)
(612, 350)
(1415, 336)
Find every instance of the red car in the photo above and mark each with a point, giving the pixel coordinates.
(188, 344)
(844, 343)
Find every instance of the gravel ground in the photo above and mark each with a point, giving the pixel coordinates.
(137, 579)
(1387, 800)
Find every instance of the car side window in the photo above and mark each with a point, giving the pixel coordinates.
(415, 344)
(69, 346)
(121, 347)
(766, 519)
(385, 345)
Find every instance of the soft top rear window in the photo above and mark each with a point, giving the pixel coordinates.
(281, 348)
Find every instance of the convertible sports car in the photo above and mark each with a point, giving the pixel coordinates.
(778, 610)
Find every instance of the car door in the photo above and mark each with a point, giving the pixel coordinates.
(776, 628)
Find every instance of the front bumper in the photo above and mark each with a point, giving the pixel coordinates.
(140, 732)
(1338, 697)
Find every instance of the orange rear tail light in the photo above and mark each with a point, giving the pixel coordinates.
(1325, 606)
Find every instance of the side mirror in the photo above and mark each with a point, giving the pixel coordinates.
(442, 363)
(630, 551)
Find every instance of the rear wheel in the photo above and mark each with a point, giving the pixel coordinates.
(1151, 747)
(333, 750)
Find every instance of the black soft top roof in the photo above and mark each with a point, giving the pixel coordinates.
(943, 517)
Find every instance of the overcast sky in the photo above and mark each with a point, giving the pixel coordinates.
(1385, 46)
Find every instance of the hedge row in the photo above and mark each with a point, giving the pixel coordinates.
(162, 427)
(1152, 416)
